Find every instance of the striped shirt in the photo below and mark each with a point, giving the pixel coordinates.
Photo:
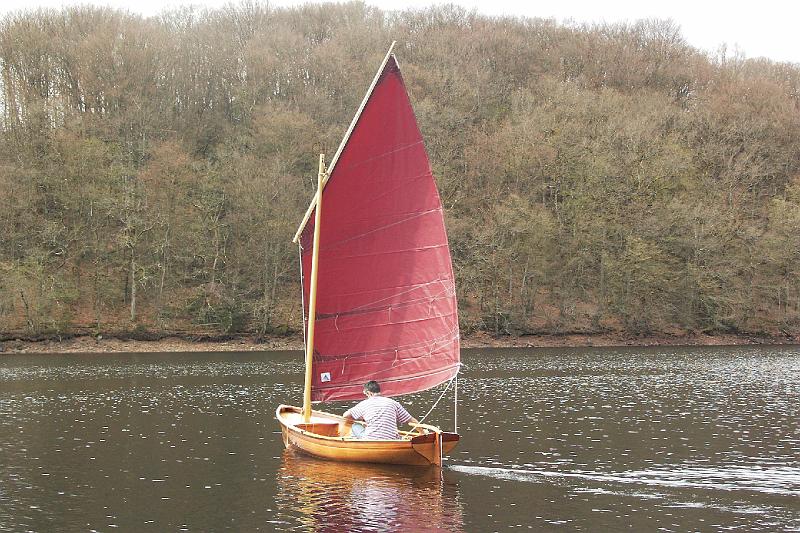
(382, 416)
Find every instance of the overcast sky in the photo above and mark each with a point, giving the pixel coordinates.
(757, 28)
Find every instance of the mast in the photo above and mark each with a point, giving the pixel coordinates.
(312, 303)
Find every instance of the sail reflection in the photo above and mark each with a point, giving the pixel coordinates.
(333, 496)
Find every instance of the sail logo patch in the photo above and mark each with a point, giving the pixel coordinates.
(325, 377)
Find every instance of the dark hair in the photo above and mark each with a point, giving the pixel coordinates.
(372, 386)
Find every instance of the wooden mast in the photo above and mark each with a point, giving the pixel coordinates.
(312, 294)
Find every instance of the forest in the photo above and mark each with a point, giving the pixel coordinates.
(595, 178)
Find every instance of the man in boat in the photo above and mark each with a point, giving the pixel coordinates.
(383, 415)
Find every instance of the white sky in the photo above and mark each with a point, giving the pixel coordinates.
(756, 28)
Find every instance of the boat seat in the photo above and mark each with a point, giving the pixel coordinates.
(326, 429)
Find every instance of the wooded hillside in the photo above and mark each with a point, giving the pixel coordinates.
(154, 170)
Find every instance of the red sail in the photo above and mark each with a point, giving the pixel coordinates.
(386, 300)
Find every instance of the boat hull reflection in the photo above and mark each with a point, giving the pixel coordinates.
(331, 496)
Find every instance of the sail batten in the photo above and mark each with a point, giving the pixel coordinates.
(386, 302)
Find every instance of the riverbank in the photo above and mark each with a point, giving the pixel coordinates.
(91, 344)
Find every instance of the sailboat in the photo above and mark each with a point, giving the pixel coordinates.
(379, 299)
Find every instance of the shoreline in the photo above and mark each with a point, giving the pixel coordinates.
(101, 345)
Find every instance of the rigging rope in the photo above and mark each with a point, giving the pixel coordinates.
(302, 292)
(415, 426)
(455, 404)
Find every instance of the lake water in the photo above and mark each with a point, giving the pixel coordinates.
(671, 439)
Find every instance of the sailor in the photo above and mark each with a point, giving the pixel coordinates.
(383, 415)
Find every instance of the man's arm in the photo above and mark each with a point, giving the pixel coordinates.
(413, 422)
(349, 418)
(355, 413)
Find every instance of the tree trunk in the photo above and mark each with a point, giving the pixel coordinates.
(132, 281)
(164, 264)
(28, 319)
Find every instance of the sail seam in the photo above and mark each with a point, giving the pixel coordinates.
(376, 230)
(449, 336)
(389, 307)
(409, 377)
(383, 154)
(393, 252)
(391, 287)
(448, 291)
(399, 323)
(393, 191)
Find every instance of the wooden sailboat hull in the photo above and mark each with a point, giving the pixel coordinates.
(324, 438)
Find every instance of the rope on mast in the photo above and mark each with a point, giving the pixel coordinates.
(302, 292)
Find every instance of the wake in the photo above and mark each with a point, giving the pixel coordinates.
(783, 481)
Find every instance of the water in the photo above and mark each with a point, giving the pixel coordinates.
(671, 439)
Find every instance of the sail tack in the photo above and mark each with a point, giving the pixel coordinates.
(386, 302)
